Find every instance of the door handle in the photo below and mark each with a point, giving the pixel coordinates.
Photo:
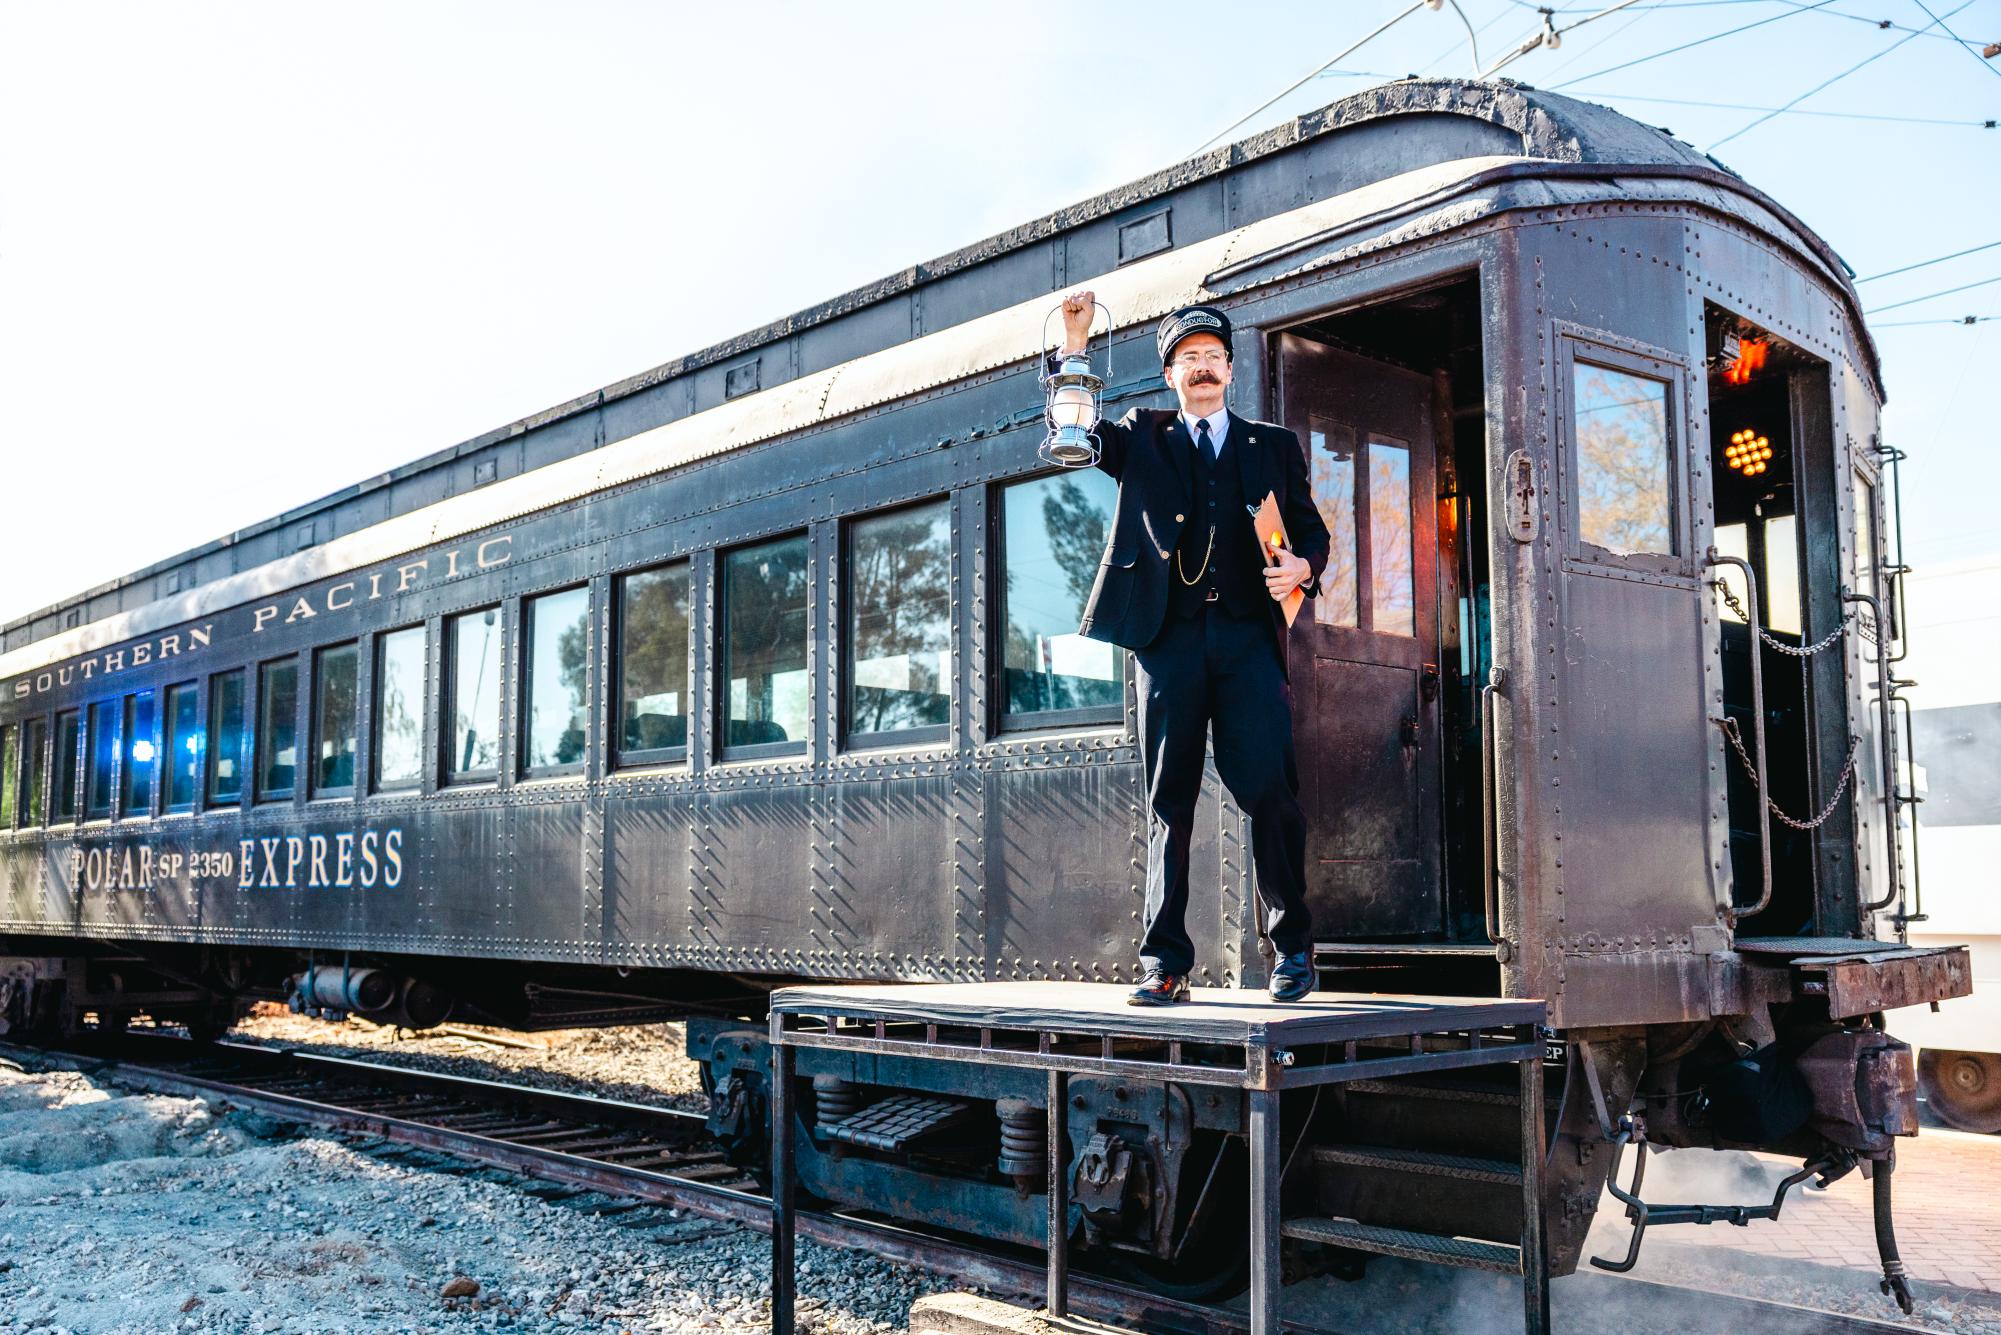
(1410, 730)
(1427, 682)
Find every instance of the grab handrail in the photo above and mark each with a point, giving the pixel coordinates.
(1732, 913)
(1497, 682)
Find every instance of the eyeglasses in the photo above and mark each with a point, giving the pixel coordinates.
(1201, 357)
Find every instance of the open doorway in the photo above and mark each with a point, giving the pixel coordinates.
(1772, 466)
(1388, 401)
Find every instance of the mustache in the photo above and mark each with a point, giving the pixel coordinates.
(1205, 378)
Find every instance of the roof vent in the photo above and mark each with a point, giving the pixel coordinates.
(485, 471)
(303, 537)
(1144, 236)
(741, 379)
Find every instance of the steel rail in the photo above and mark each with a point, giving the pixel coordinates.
(1022, 1276)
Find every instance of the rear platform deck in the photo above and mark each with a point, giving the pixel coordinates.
(1220, 1037)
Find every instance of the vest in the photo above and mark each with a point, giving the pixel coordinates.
(1234, 570)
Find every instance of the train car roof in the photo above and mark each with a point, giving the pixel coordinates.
(1461, 134)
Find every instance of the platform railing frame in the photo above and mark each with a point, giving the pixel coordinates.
(1266, 1071)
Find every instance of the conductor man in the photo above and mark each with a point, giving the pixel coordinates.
(1189, 587)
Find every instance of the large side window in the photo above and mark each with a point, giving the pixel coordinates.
(182, 761)
(1053, 532)
(472, 681)
(765, 692)
(558, 630)
(335, 721)
(399, 708)
(35, 770)
(1622, 465)
(653, 665)
(69, 741)
(225, 737)
(103, 742)
(277, 728)
(136, 799)
(10, 773)
(898, 660)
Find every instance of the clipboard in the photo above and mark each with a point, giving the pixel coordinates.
(1272, 536)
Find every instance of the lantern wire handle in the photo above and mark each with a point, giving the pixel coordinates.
(1110, 324)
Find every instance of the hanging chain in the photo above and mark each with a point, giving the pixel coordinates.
(1799, 651)
(1730, 730)
(1207, 552)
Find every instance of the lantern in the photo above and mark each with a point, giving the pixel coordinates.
(1071, 403)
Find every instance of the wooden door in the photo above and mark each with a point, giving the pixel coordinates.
(1364, 651)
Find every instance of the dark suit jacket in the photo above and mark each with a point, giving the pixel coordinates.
(1149, 452)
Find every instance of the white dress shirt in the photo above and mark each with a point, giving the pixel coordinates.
(1219, 427)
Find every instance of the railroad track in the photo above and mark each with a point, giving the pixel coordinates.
(662, 1156)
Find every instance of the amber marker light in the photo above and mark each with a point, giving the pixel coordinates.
(1748, 452)
(1746, 359)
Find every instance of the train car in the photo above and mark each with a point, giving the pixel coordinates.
(1955, 726)
(763, 666)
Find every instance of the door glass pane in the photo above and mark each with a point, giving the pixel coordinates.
(334, 725)
(1732, 540)
(653, 660)
(764, 643)
(1392, 586)
(34, 744)
(1055, 530)
(10, 774)
(1782, 574)
(899, 639)
(137, 799)
(277, 727)
(475, 690)
(399, 708)
(68, 741)
(225, 737)
(1624, 502)
(1332, 450)
(183, 759)
(103, 755)
(559, 636)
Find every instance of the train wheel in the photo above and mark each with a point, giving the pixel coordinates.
(1963, 1088)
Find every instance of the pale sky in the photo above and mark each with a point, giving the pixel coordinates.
(253, 253)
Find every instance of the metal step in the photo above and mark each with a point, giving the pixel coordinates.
(894, 1123)
(1460, 1166)
(1467, 1253)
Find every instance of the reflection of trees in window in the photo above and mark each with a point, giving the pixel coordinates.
(335, 725)
(1055, 533)
(1620, 424)
(10, 762)
(653, 659)
(1392, 578)
(900, 638)
(558, 643)
(764, 599)
(475, 682)
(1338, 601)
(399, 695)
(34, 745)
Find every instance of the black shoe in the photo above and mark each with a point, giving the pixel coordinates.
(1294, 977)
(1159, 988)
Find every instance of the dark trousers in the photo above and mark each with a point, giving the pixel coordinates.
(1217, 668)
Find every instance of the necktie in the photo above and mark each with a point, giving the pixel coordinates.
(1202, 438)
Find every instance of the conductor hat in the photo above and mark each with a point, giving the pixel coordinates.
(1192, 320)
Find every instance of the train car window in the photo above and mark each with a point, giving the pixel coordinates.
(35, 772)
(137, 798)
(1338, 601)
(103, 741)
(1782, 575)
(184, 745)
(225, 737)
(1732, 540)
(277, 728)
(10, 773)
(558, 630)
(898, 660)
(1625, 498)
(335, 718)
(69, 741)
(765, 695)
(653, 665)
(472, 678)
(1053, 532)
(399, 708)
(1392, 560)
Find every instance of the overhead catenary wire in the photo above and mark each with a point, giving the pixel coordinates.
(1926, 264)
(1685, 46)
(1792, 111)
(1945, 292)
(1957, 40)
(1888, 24)
(1954, 319)
(1822, 85)
(1550, 32)
(1301, 82)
